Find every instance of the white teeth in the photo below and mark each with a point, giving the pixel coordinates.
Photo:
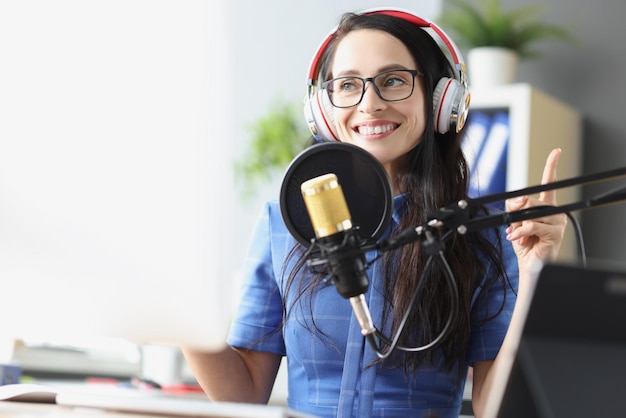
(375, 130)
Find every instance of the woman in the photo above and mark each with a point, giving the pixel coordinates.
(381, 71)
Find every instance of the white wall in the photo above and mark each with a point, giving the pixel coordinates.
(114, 166)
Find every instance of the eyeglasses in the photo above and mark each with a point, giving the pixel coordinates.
(391, 86)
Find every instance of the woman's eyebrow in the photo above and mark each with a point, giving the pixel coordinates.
(352, 72)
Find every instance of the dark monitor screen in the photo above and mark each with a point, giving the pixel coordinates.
(571, 358)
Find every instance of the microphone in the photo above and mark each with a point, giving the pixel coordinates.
(339, 243)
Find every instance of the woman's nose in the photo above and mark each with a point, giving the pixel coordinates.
(371, 101)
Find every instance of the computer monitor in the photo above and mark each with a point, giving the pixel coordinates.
(571, 357)
(115, 173)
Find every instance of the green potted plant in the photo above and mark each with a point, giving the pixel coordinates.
(276, 138)
(485, 28)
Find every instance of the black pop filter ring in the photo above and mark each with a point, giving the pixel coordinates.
(364, 182)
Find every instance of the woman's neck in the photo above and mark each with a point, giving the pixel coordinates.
(393, 172)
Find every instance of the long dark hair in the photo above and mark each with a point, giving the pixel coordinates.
(436, 175)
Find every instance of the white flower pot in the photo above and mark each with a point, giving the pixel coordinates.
(490, 66)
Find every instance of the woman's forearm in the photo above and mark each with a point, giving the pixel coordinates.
(234, 375)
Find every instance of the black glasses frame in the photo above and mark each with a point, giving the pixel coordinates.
(414, 73)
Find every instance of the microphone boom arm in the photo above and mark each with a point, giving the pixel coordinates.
(457, 216)
(559, 184)
(506, 218)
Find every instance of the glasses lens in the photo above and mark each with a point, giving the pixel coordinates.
(394, 85)
(390, 86)
(345, 91)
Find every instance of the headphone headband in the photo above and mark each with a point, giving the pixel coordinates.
(455, 53)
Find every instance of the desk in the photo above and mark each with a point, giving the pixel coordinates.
(78, 400)
(12, 409)
(36, 410)
(81, 405)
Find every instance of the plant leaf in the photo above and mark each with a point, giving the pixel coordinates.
(276, 138)
(486, 23)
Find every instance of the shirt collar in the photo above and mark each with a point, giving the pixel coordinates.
(398, 208)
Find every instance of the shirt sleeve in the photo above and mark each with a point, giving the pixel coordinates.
(488, 326)
(258, 320)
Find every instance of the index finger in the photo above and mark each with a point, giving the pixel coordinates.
(549, 176)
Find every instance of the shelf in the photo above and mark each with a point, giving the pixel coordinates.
(538, 124)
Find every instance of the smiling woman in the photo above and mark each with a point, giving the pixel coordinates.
(288, 307)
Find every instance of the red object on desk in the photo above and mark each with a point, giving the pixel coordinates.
(177, 389)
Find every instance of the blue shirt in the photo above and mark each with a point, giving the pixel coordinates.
(330, 375)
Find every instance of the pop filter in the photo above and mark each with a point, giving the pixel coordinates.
(364, 181)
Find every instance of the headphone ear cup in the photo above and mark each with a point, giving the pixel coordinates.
(443, 97)
(318, 112)
(450, 105)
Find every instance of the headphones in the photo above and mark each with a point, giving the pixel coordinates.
(451, 96)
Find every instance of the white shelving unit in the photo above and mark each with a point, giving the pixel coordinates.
(538, 124)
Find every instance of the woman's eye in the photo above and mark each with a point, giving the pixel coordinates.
(348, 86)
(393, 82)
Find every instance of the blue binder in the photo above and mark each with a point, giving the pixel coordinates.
(485, 146)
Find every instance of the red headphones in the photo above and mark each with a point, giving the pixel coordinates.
(451, 96)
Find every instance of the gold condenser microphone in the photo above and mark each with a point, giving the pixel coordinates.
(337, 240)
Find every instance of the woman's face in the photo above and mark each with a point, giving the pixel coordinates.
(388, 130)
